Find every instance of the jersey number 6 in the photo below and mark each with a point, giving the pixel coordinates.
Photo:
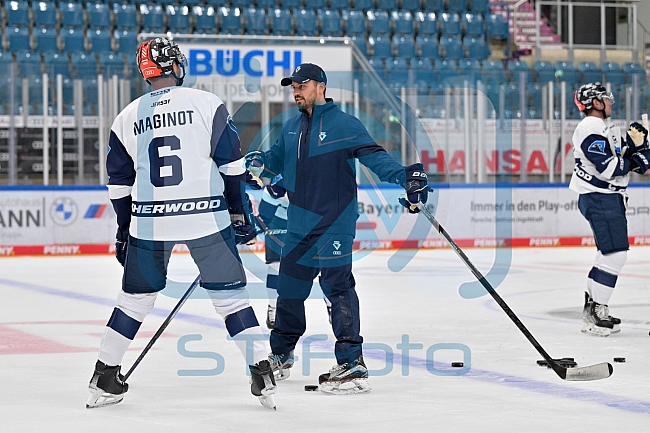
(165, 170)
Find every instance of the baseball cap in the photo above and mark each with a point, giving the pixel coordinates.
(304, 73)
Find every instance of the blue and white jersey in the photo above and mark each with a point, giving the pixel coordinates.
(173, 152)
(599, 163)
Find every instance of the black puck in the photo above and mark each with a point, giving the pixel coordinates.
(311, 387)
(619, 359)
(457, 364)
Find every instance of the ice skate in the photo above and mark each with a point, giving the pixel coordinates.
(263, 383)
(107, 386)
(348, 378)
(595, 319)
(270, 317)
(329, 313)
(616, 322)
(281, 365)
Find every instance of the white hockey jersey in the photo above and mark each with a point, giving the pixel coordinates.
(599, 164)
(168, 149)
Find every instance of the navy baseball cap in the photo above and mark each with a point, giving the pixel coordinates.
(304, 73)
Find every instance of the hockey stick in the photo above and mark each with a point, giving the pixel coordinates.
(164, 325)
(644, 120)
(592, 372)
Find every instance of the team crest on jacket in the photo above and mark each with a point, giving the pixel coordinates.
(336, 245)
(597, 147)
(322, 136)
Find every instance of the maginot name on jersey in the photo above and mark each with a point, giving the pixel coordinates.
(163, 120)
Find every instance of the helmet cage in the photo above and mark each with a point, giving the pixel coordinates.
(156, 59)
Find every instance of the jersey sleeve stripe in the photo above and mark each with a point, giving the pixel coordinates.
(118, 191)
(233, 168)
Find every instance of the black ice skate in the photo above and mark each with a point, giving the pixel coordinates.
(596, 320)
(281, 365)
(348, 378)
(329, 313)
(270, 317)
(616, 322)
(106, 387)
(263, 383)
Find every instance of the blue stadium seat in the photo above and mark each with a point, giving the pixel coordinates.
(291, 4)
(381, 46)
(240, 3)
(306, 24)
(6, 63)
(429, 47)
(255, 21)
(566, 71)
(281, 22)
(46, 39)
(387, 5)
(411, 5)
(427, 23)
(379, 22)
(378, 66)
(364, 5)
(44, 13)
(269, 4)
(153, 18)
(230, 19)
(73, 40)
(473, 24)
(613, 73)
(205, 19)
(57, 63)
(355, 23)
(433, 5)
(179, 18)
(331, 22)
(125, 16)
(111, 64)
(515, 67)
(497, 27)
(479, 6)
(100, 40)
(340, 5)
(493, 70)
(450, 23)
(590, 73)
(17, 13)
(470, 70)
(476, 47)
(200, 2)
(446, 69)
(403, 21)
(513, 101)
(19, 39)
(423, 71)
(456, 5)
(99, 15)
(361, 43)
(631, 69)
(91, 97)
(317, 5)
(35, 89)
(405, 46)
(544, 71)
(127, 41)
(29, 64)
(85, 65)
(535, 100)
(398, 71)
(71, 14)
(452, 47)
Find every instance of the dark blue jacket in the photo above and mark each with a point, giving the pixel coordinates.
(316, 159)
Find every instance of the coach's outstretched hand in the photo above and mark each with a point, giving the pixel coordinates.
(121, 243)
(417, 188)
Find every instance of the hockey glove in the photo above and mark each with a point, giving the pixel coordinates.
(640, 161)
(255, 162)
(244, 232)
(121, 243)
(253, 181)
(637, 137)
(417, 188)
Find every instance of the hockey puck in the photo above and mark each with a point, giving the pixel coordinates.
(311, 387)
(619, 359)
(457, 364)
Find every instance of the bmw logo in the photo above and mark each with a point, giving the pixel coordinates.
(64, 211)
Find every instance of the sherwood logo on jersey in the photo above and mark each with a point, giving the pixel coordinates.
(178, 207)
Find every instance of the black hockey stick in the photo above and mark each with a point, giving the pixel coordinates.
(164, 325)
(592, 372)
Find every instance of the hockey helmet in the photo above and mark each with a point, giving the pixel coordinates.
(156, 58)
(585, 95)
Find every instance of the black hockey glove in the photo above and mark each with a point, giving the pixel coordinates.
(121, 244)
(417, 188)
(244, 232)
(637, 137)
(640, 161)
(253, 181)
(255, 162)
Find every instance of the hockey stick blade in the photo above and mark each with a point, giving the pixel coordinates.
(592, 372)
(644, 120)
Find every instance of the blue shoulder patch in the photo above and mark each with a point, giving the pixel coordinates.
(597, 147)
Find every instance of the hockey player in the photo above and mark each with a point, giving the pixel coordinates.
(314, 155)
(603, 162)
(175, 176)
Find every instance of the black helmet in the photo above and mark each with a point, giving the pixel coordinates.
(585, 95)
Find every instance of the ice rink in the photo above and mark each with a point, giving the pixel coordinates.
(54, 309)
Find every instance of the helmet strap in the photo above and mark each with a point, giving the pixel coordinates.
(179, 80)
